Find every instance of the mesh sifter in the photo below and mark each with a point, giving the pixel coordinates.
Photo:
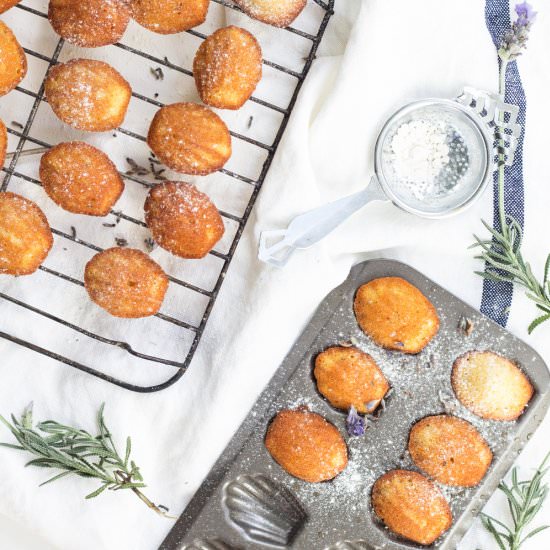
(479, 131)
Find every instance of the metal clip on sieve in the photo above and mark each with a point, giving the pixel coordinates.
(493, 138)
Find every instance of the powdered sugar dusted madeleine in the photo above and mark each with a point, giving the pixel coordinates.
(25, 235)
(349, 377)
(450, 450)
(190, 139)
(5, 5)
(490, 385)
(280, 13)
(228, 67)
(395, 314)
(125, 282)
(183, 220)
(89, 24)
(170, 16)
(88, 94)
(80, 178)
(411, 506)
(13, 62)
(3, 143)
(306, 445)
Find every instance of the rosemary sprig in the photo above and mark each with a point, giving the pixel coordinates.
(76, 452)
(504, 262)
(525, 499)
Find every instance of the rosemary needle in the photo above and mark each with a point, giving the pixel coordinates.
(76, 452)
(525, 499)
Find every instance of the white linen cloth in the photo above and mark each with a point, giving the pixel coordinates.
(376, 56)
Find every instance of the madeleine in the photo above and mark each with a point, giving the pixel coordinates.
(490, 385)
(306, 445)
(227, 68)
(25, 235)
(396, 315)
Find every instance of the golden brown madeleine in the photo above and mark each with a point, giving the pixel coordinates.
(170, 16)
(490, 385)
(280, 13)
(125, 282)
(183, 220)
(350, 377)
(306, 445)
(88, 95)
(227, 68)
(411, 506)
(5, 5)
(80, 178)
(450, 450)
(13, 62)
(25, 235)
(89, 24)
(395, 314)
(3, 143)
(190, 139)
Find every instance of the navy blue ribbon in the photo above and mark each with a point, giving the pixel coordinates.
(497, 296)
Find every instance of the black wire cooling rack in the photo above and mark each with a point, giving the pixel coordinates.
(23, 138)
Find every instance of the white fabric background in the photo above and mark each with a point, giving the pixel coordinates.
(376, 56)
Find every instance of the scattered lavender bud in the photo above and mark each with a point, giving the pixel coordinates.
(355, 424)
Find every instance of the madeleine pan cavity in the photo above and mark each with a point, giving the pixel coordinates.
(266, 511)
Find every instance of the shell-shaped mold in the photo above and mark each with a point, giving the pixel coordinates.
(351, 545)
(266, 511)
(210, 544)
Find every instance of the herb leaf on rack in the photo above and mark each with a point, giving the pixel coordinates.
(74, 451)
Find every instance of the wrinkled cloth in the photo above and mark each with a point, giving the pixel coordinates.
(376, 56)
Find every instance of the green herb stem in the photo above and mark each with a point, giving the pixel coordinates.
(73, 451)
(525, 500)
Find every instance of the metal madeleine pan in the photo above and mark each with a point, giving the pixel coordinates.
(248, 501)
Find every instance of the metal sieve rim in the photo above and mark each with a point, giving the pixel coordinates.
(476, 122)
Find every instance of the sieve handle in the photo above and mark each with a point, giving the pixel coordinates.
(276, 246)
(501, 120)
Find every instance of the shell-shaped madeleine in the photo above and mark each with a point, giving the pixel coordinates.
(265, 510)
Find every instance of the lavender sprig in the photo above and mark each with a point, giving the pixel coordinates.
(515, 40)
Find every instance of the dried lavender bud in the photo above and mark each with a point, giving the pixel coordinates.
(515, 40)
(355, 424)
(157, 73)
(121, 242)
